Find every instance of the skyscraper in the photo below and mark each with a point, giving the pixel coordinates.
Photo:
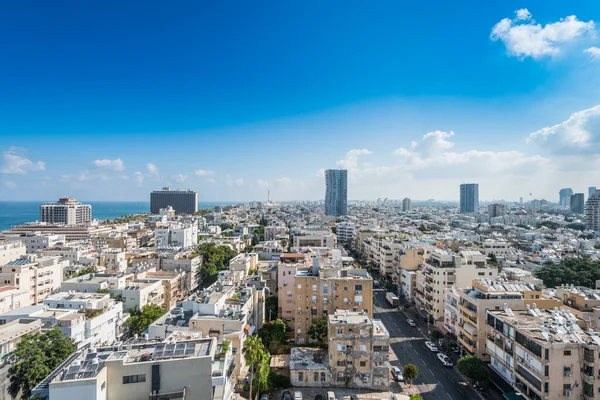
(469, 197)
(67, 211)
(564, 196)
(496, 210)
(592, 212)
(336, 192)
(182, 201)
(591, 191)
(577, 203)
(406, 204)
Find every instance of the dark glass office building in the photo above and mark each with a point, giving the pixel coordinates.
(182, 201)
(469, 197)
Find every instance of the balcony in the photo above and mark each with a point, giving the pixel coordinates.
(179, 395)
(588, 377)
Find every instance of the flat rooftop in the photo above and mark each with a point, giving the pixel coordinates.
(77, 296)
(18, 328)
(303, 358)
(349, 317)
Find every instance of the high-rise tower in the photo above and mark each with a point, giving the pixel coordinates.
(336, 192)
(469, 197)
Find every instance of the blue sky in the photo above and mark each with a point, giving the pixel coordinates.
(108, 101)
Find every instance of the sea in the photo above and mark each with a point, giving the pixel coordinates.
(18, 212)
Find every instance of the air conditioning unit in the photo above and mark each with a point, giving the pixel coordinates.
(568, 392)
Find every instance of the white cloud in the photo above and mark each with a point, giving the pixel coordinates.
(523, 14)
(283, 181)
(203, 172)
(123, 177)
(139, 178)
(210, 180)
(262, 184)
(16, 164)
(350, 161)
(152, 170)
(594, 52)
(581, 131)
(180, 178)
(524, 38)
(115, 165)
(9, 184)
(233, 181)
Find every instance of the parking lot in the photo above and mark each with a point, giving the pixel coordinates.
(362, 394)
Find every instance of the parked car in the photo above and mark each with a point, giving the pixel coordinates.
(411, 322)
(297, 395)
(431, 346)
(264, 396)
(286, 395)
(397, 374)
(331, 396)
(319, 397)
(444, 359)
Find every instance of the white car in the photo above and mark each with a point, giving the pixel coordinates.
(410, 322)
(444, 359)
(431, 346)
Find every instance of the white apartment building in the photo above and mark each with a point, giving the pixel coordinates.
(496, 247)
(592, 212)
(273, 232)
(39, 276)
(243, 263)
(407, 284)
(114, 261)
(176, 235)
(315, 239)
(36, 241)
(180, 368)
(345, 231)
(10, 251)
(442, 270)
(67, 211)
(73, 252)
(12, 298)
(170, 261)
(451, 312)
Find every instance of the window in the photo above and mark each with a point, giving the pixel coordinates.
(299, 286)
(341, 363)
(363, 363)
(357, 287)
(301, 376)
(322, 376)
(363, 347)
(481, 273)
(316, 377)
(340, 331)
(345, 288)
(341, 347)
(134, 379)
(103, 386)
(565, 353)
(314, 299)
(314, 287)
(299, 297)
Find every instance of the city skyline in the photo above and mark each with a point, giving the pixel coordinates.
(366, 100)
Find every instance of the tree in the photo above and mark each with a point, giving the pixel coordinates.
(253, 353)
(415, 397)
(573, 270)
(271, 305)
(139, 321)
(37, 356)
(214, 259)
(473, 368)
(436, 335)
(410, 372)
(273, 332)
(318, 331)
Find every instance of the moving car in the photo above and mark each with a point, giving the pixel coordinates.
(431, 346)
(444, 359)
(397, 373)
(286, 395)
(410, 322)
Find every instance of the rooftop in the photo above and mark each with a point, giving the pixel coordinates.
(349, 317)
(302, 358)
(17, 328)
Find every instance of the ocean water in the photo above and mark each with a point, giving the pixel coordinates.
(19, 212)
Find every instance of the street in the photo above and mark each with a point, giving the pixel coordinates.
(408, 343)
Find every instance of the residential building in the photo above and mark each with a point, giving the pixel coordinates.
(287, 268)
(67, 211)
(583, 302)
(12, 297)
(591, 191)
(564, 196)
(496, 247)
(177, 285)
(309, 367)
(315, 239)
(36, 241)
(274, 232)
(496, 210)
(488, 294)
(592, 212)
(345, 232)
(243, 263)
(359, 351)
(406, 204)
(177, 369)
(10, 251)
(336, 192)
(114, 261)
(577, 203)
(182, 201)
(170, 261)
(544, 354)
(12, 332)
(442, 270)
(469, 197)
(71, 232)
(451, 312)
(39, 276)
(176, 235)
(321, 291)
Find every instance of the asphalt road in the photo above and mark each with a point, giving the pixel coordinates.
(408, 343)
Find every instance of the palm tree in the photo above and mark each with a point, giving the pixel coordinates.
(253, 349)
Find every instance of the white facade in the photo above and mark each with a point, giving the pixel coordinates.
(37, 241)
(66, 211)
(314, 239)
(39, 276)
(498, 248)
(176, 236)
(407, 284)
(115, 261)
(11, 251)
(345, 231)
